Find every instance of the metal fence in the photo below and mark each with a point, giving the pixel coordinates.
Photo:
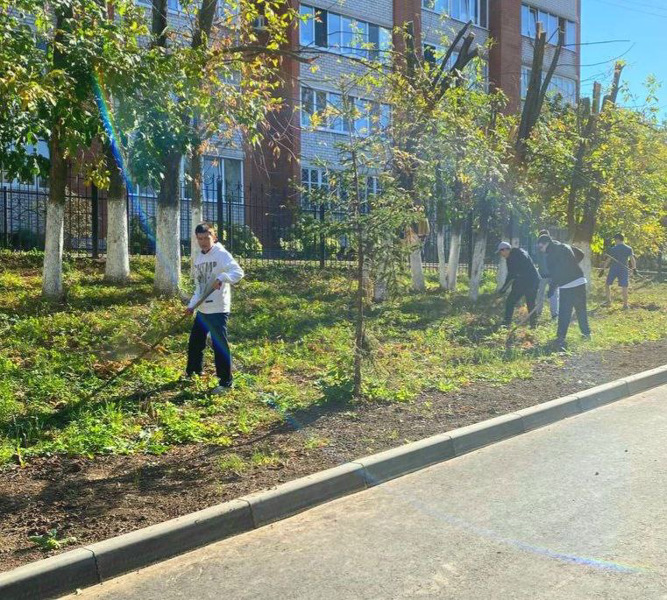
(254, 224)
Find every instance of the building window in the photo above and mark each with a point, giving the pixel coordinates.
(564, 86)
(352, 37)
(386, 43)
(313, 103)
(172, 5)
(525, 81)
(315, 187)
(439, 6)
(380, 117)
(462, 10)
(570, 34)
(227, 170)
(435, 54)
(554, 26)
(373, 187)
(528, 21)
(328, 106)
(307, 26)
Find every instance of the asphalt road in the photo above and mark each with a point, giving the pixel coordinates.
(575, 510)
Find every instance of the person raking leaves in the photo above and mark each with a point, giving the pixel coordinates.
(563, 265)
(215, 267)
(617, 262)
(522, 275)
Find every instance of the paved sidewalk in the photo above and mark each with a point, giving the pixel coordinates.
(575, 510)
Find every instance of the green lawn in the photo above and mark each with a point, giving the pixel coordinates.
(291, 332)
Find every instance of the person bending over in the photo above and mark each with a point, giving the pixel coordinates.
(524, 279)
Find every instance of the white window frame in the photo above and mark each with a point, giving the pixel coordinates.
(363, 125)
(549, 22)
(307, 11)
(321, 182)
(336, 32)
(452, 8)
(221, 168)
(565, 86)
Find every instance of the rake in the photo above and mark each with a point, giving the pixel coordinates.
(174, 326)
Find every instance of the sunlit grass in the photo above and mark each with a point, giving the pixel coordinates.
(291, 332)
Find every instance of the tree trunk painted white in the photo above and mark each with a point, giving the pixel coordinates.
(587, 263)
(196, 210)
(501, 275)
(197, 217)
(167, 250)
(417, 270)
(168, 229)
(478, 255)
(52, 279)
(442, 259)
(454, 256)
(117, 268)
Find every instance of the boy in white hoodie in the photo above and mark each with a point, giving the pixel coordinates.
(216, 265)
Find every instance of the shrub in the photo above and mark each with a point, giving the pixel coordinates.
(241, 241)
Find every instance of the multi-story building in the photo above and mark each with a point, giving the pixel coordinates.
(338, 29)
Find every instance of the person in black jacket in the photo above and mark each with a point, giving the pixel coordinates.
(545, 284)
(524, 279)
(566, 274)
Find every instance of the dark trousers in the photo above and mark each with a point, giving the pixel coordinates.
(216, 325)
(520, 290)
(572, 298)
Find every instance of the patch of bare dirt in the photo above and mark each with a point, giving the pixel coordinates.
(92, 500)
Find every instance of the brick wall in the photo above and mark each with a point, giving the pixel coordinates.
(505, 54)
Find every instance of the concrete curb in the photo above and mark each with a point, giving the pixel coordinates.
(300, 494)
(96, 563)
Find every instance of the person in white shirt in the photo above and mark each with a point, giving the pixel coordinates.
(214, 269)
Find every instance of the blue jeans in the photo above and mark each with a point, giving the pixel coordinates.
(552, 294)
(216, 325)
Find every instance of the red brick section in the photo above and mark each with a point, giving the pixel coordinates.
(404, 12)
(270, 174)
(505, 53)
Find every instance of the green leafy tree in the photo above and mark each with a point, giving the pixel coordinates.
(52, 54)
(599, 168)
(370, 218)
(208, 85)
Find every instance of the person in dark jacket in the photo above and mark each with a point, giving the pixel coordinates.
(566, 274)
(524, 279)
(545, 284)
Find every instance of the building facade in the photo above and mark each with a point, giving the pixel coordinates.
(337, 31)
(254, 182)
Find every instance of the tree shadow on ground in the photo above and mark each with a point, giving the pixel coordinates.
(439, 308)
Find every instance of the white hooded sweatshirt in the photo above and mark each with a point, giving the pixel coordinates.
(218, 263)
